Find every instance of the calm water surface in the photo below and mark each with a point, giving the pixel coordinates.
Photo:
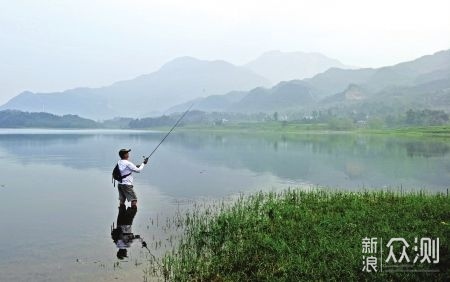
(59, 203)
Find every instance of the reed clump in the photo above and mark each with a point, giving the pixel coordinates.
(299, 235)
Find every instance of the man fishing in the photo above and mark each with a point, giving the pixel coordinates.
(126, 168)
(122, 172)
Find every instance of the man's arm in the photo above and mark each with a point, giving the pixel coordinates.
(135, 168)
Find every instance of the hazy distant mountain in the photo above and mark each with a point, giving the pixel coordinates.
(81, 101)
(421, 70)
(178, 81)
(353, 93)
(337, 80)
(432, 94)
(417, 82)
(423, 82)
(283, 96)
(214, 103)
(19, 119)
(283, 66)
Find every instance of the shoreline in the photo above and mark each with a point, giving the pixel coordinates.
(264, 128)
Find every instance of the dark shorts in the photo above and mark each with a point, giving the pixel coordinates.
(126, 192)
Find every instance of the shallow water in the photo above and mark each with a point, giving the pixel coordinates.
(59, 203)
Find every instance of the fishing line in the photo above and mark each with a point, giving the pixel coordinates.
(173, 127)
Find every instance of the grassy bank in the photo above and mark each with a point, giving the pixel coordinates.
(300, 128)
(260, 127)
(439, 131)
(297, 235)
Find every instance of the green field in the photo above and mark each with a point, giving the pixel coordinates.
(313, 235)
(300, 128)
(442, 131)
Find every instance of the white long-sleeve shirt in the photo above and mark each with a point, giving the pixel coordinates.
(127, 167)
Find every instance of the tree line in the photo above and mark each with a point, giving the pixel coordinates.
(336, 120)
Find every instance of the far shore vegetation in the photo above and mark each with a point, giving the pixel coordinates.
(412, 122)
(294, 128)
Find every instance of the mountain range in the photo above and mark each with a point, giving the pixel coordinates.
(218, 86)
(424, 82)
(179, 80)
(182, 79)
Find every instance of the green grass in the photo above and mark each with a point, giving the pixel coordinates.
(259, 127)
(303, 236)
(441, 131)
(300, 128)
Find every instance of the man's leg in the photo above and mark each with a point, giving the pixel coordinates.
(131, 195)
(122, 197)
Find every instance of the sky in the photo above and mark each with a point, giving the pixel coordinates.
(55, 45)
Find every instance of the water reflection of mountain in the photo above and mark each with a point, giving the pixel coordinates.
(329, 159)
(326, 159)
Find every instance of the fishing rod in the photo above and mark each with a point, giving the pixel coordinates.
(173, 127)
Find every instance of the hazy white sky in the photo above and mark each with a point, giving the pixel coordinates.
(50, 45)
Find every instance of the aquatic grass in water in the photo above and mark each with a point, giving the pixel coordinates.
(303, 235)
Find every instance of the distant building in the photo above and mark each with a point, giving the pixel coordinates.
(361, 123)
(220, 122)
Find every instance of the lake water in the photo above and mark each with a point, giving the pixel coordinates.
(59, 203)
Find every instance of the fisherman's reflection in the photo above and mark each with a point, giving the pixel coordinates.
(123, 235)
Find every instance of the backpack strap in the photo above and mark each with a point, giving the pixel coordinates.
(124, 176)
